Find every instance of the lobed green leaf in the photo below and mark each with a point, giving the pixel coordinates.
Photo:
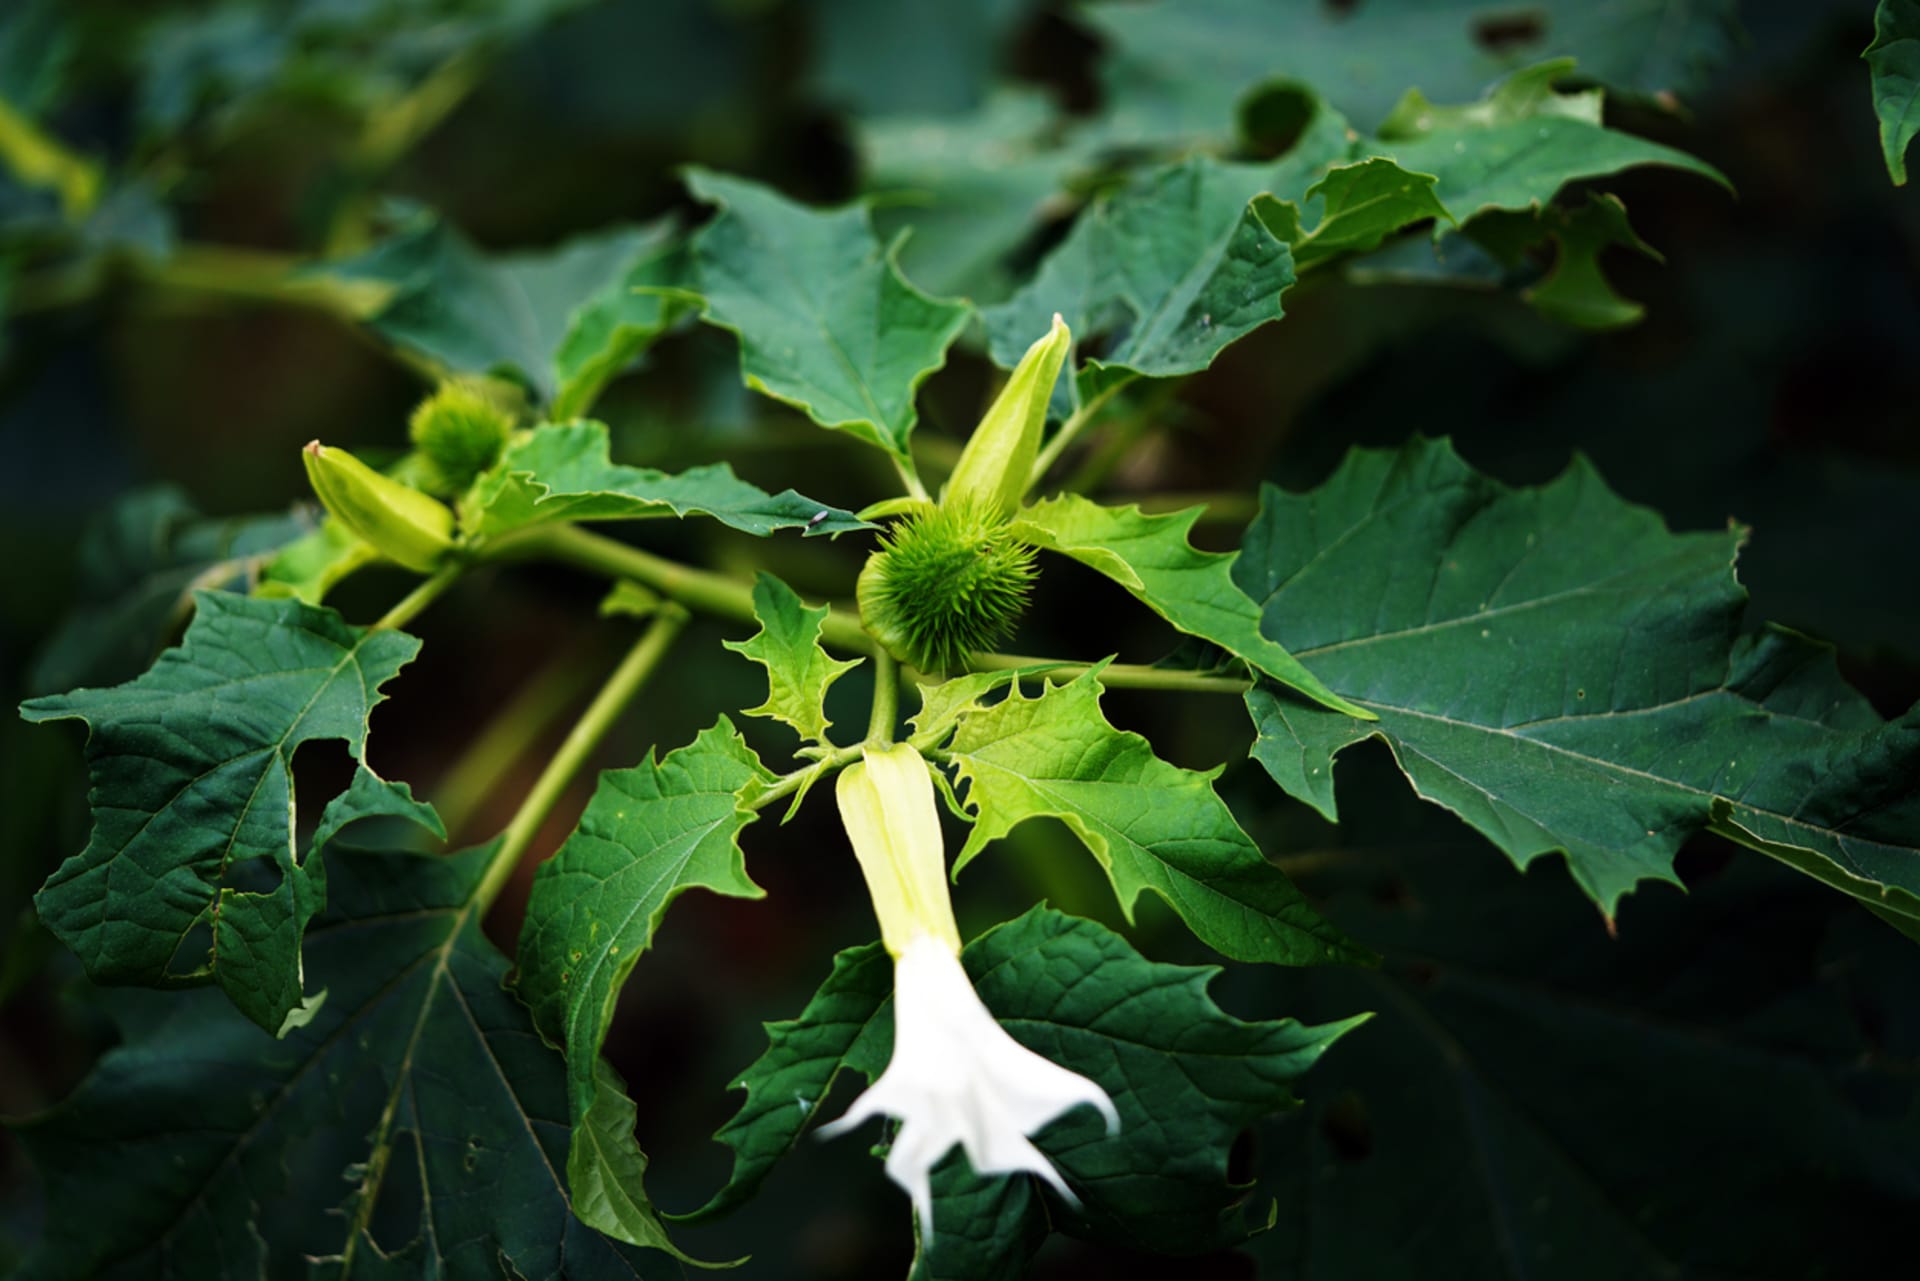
(1893, 60)
(1566, 675)
(1151, 825)
(788, 646)
(194, 809)
(649, 834)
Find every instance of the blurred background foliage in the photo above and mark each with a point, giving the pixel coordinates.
(1729, 1089)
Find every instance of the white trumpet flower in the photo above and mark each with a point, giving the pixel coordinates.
(955, 1076)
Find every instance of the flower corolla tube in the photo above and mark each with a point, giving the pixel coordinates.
(956, 1076)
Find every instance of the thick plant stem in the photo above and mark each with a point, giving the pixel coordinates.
(886, 698)
(697, 589)
(419, 598)
(1117, 675)
(586, 734)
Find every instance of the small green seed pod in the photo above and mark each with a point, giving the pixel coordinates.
(460, 431)
(399, 522)
(946, 581)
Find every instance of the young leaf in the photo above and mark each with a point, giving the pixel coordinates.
(649, 834)
(566, 320)
(1566, 675)
(1527, 145)
(1893, 60)
(788, 646)
(1185, 1077)
(561, 471)
(826, 321)
(1576, 291)
(1152, 826)
(198, 1148)
(1177, 264)
(193, 799)
(1363, 204)
(1194, 590)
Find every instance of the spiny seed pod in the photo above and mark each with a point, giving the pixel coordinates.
(460, 431)
(399, 522)
(945, 582)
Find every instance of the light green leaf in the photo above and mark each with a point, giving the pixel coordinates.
(788, 646)
(310, 566)
(1523, 95)
(192, 776)
(649, 834)
(1362, 204)
(1174, 267)
(1181, 71)
(1185, 1077)
(564, 320)
(1526, 146)
(1151, 825)
(199, 1149)
(943, 703)
(1566, 675)
(826, 321)
(561, 472)
(1194, 590)
(1893, 60)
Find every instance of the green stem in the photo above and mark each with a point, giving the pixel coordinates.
(911, 479)
(1118, 675)
(483, 764)
(886, 698)
(586, 734)
(1051, 451)
(787, 784)
(419, 598)
(697, 589)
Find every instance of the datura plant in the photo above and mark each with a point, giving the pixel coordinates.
(336, 1071)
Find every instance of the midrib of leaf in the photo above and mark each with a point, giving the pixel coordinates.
(818, 318)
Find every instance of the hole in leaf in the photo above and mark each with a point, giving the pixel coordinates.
(1348, 1128)
(395, 1222)
(1509, 33)
(1272, 118)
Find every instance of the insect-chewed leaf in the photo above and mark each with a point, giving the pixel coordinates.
(199, 1149)
(1194, 590)
(1152, 826)
(1566, 675)
(649, 834)
(826, 321)
(561, 471)
(788, 646)
(192, 769)
(1185, 1077)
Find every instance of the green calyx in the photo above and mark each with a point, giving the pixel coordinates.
(460, 430)
(946, 582)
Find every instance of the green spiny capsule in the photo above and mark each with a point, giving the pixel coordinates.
(947, 581)
(460, 431)
(399, 522)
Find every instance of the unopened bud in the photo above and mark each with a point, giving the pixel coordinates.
(993, 470)
(399, 522)
(460, 431)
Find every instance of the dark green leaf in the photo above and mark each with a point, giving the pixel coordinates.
(892, 57)
(1361, 205)
(561, 472)
(1152, 826)
(200, 1148)
(1181, 70)
(825, 319)
(1185, 1077)
(564, 320)
(1894, 62)
(1172, 268)
(649, 834)
(1565, 674)
(193, 799)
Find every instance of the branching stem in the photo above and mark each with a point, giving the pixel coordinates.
(1118, 675)
(419, 598)
(1051, 451)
